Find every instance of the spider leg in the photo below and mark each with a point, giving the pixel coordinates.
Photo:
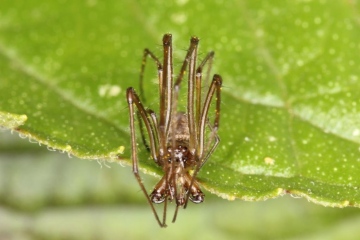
(147, 53)
(142, 132)
(166, 91)
(132, 98)
(164, 212)
(198, 82)
(175, 213)
(215, 87)
(213, 138)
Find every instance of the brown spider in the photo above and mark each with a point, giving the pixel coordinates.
(178, 141)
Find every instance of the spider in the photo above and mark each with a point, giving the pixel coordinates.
(179, 142)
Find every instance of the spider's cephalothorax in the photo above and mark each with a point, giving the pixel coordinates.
(179, 142)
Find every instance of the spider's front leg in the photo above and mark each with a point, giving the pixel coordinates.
(133, 99)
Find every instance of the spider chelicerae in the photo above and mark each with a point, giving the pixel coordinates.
(179, 142)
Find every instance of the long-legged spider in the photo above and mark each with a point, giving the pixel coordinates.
(178, 141)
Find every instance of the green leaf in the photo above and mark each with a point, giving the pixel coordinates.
(290, 108)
